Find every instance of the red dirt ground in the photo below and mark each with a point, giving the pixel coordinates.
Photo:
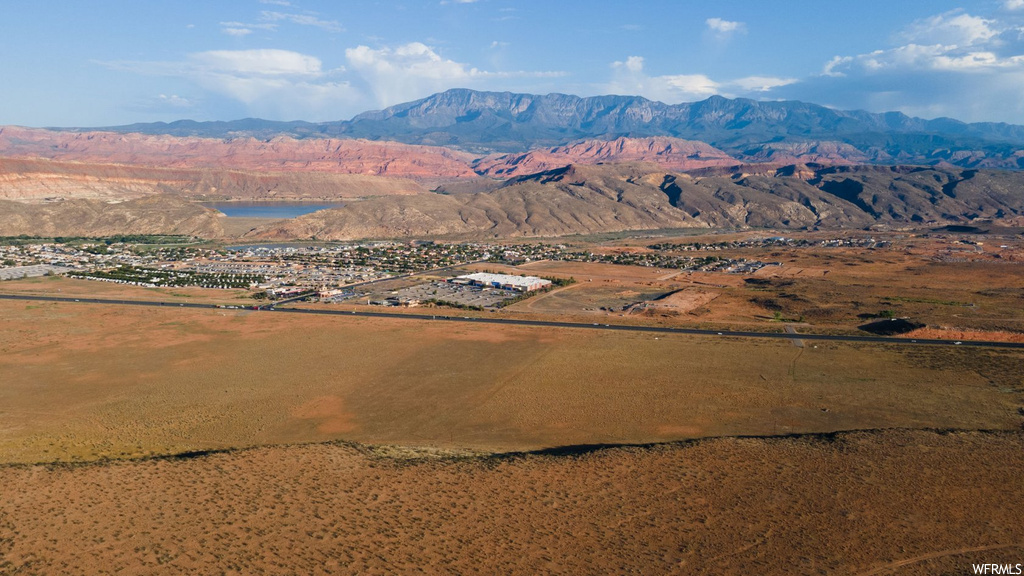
(892, 502)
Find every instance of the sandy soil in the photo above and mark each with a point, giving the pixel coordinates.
(686, 300)
(954, 334)
(86, 382)
(833, 289)
(863, 503)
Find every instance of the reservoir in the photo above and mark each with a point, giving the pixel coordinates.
(269, 209)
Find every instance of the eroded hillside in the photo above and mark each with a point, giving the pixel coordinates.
(153, 215)
(588, 199)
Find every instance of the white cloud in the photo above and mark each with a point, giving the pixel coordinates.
(835, 66)
(1013, 4)
(302, 20)
(949, 42)
(761, 83)
(633, 65)
(275, 83)
(276, 2)
(628, 77)
(415, 70)
(270, 83)
(951, 28)
(725, 27)
(696, 84)
(914, 57)
(407, 72)
(243, 29)
(952, 64)
(258, 62)
(231, 31)
(414, 58)
(270, 20)
(175, 101)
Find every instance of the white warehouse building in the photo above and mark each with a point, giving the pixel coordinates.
(504, 281)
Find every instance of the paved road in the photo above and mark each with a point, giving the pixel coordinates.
(796, 341)
(541, 323)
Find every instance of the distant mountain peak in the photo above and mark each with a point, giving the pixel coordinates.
(509, 122)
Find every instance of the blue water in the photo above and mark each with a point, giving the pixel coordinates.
(269, 209)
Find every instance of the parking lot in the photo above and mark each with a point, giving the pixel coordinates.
(465, 295)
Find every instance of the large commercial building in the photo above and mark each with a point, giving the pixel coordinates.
(504, 281)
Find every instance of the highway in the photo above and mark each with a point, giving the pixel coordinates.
(537, 323)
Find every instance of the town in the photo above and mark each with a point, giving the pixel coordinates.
(328, 271)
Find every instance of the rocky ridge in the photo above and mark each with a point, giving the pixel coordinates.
(671, 153)
(608, 198)
(37, 180)
(278, 154)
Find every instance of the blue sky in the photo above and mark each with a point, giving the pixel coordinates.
(107, 62)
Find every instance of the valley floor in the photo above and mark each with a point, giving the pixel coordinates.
(886, 502)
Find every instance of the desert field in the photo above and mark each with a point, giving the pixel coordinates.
(92, 382)
(140, 440)
(863, 503)
(824, 290)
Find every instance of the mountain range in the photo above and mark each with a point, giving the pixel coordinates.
(484, 164)
(749, 130)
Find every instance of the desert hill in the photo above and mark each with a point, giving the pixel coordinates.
(605, 198)
(671, 153)
(81, 217)
(278, 154)
(38, 180)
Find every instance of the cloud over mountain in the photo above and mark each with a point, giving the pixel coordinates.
(950, 64)
(629, 77)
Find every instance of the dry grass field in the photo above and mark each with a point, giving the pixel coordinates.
(88, 382)
(932, 279)
(895, 502)
(824, 289)
(934, 293)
